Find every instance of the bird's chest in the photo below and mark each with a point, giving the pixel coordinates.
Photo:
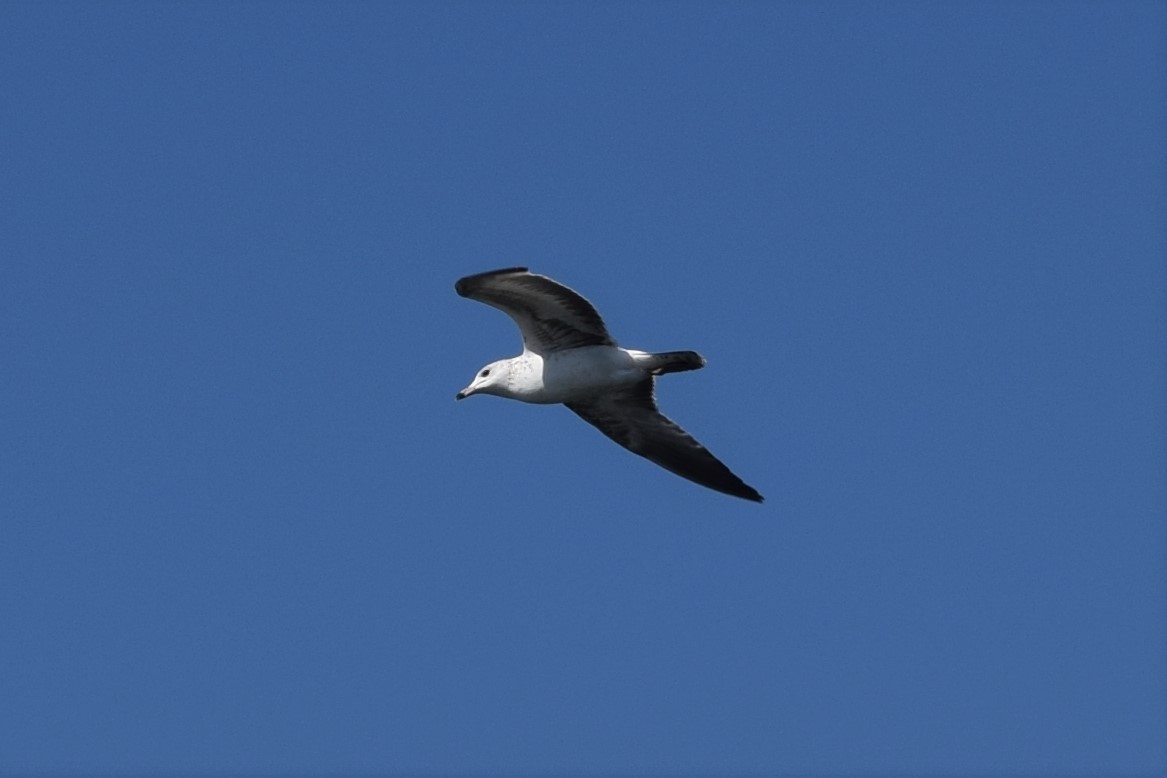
(584, 373)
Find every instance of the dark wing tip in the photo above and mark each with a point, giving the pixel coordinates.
(750, 493)
(727, 482)
(464, 286)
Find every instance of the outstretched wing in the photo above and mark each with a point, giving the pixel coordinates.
(550, 316)
(630, 417)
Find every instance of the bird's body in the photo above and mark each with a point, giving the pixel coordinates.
(568, 357)
(577, 374)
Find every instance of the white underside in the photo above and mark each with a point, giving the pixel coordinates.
(575, 374)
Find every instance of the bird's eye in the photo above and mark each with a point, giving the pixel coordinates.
(485, 372)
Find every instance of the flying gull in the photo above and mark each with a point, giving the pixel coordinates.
(569, 357)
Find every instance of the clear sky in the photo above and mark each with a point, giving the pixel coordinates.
(244, 526)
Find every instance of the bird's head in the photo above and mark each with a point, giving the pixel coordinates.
(491, 379)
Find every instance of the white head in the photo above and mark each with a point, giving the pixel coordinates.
(492, 379)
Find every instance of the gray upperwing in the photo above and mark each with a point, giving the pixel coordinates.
(631, 419)
(550, 316)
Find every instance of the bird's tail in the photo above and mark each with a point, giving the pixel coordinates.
(673, 362)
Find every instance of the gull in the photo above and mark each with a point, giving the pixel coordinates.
(569, 357)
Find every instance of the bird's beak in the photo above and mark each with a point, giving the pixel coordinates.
(462, 395)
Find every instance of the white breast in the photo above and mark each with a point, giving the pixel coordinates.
(580, 373)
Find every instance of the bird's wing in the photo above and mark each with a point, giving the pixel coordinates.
(630, 417)
(550, 316)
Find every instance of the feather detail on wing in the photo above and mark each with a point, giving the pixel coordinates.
(630, 417)
(550, 316)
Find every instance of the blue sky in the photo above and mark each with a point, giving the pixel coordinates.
(246, 528)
